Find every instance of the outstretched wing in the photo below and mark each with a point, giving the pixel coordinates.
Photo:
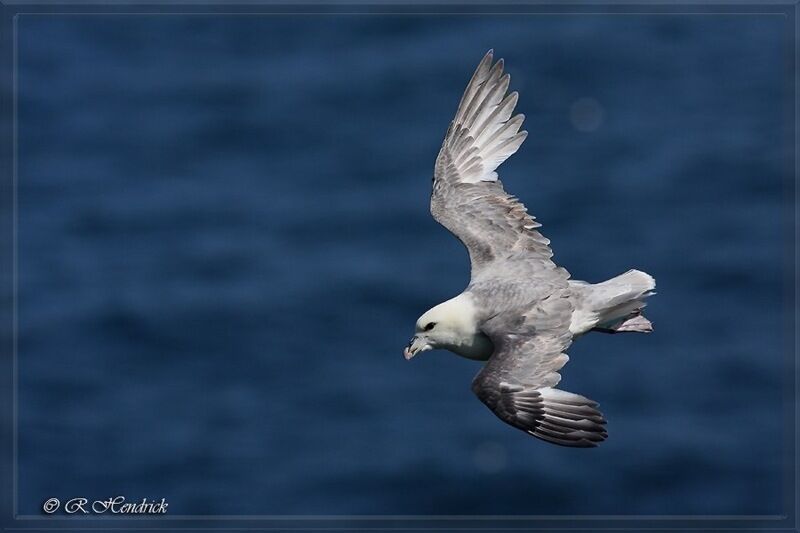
(518, 382)
(467, 197)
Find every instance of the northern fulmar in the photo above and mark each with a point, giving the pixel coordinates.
(520, 311)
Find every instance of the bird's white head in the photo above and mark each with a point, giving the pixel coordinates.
(448, 326)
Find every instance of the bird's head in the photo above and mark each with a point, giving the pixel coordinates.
(443, 326)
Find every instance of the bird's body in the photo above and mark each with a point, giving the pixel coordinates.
(520, 311)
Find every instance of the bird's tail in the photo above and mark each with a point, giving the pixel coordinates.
(615, 305)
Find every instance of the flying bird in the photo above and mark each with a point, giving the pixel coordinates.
(520, 311)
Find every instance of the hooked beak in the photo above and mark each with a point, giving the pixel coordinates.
(416, 345)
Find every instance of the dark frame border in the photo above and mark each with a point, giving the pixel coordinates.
(10, 11)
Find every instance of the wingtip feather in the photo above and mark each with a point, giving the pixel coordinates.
(482, 119)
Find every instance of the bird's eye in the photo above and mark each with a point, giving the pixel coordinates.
(430, 326)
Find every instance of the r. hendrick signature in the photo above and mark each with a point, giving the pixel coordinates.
(115, 505)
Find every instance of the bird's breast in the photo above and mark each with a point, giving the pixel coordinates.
(477, 347)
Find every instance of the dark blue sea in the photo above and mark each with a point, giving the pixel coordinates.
(224, 243)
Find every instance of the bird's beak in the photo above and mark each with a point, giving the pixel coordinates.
(416, 345)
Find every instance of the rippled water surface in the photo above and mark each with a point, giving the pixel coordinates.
(224, 243)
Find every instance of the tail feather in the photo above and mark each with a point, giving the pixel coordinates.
(613, 306)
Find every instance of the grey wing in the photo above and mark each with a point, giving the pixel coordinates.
(467, 197)
(518, 383)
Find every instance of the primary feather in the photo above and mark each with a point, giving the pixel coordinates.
(481, 136)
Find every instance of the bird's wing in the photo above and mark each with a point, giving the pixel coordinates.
(518, 383)
(467, 197)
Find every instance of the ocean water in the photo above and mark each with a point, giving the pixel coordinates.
(224, 243)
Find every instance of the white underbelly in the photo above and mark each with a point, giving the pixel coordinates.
(582, 321)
